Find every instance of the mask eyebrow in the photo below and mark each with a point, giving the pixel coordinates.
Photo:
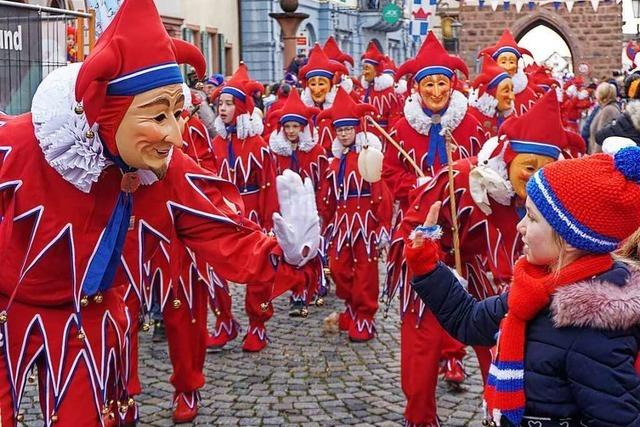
(162, 100)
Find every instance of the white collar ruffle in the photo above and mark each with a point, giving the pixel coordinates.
(487, 104)
(380, 82)
(421, 122)
(279, 144)
(246, 125)
(362, 139)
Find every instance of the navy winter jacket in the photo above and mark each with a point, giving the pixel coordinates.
(579, 352)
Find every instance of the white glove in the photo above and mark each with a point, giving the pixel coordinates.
(297, 226)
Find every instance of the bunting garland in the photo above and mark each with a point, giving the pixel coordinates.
(531, 4)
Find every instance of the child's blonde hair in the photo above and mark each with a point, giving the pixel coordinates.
(628, 252)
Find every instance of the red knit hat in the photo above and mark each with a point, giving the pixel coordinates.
(319, 65)
(432, 58)
(242, 88)
(345, 111)
(506, 43)
(373, 56)
(294, 110)
(333, 52)
(538, 131)
(490, 77)
(133, 55)
(592, 202)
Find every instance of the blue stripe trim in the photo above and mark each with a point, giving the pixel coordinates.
(561, 220)
(532, 147)
(146, 79)
(370, 61)
(432, 70)
(346, 122)
(294, 118)
(506, 49)
(235, 92)
(497, 79)
(319, 73)
(389, 71)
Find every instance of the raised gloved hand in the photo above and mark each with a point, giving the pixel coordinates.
(297, 226)
(423, 251)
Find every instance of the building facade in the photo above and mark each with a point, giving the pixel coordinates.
(352, 22)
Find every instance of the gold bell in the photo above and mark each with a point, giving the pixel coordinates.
(20, 417)
(98, 299)
(176, 303)
(199, 86)
(54, 418)
(123, 409)
(304, 312)
(81, 335)
(31, 379)
(112, 416)
(193, 320)
(3, 317)
(84, 301)
(264, 306)
(89, 134)
(79, 109)
(105, 410)
(319, 302)
(131, 402)
(216, 312)
(145, 327)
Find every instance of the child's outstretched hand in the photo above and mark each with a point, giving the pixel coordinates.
(422, 252)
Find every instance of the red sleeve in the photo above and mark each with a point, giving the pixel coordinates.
(268, 193)
(327, 205)
(383, 205)
(399, 180)
(395, 110)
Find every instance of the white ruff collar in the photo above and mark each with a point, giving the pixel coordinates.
(520, 81)
(487, 104)
(421, 122)
(246, 125)
(362, 138)
(328, 100)
(382, 82)
(279, 144)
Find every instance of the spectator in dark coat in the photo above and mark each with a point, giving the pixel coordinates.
(567, 330)
(608, 111)
(626, 125)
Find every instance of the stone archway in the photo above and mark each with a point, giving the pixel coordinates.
(594, 38)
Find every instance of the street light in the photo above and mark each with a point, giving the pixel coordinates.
(635, 4)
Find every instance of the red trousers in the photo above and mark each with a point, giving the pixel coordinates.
(256, 295)
(355, 274)
(68, 390)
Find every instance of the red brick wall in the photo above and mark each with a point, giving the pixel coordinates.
(593, 37)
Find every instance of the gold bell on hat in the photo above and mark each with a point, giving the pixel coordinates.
(90, 134)
(79, 109)
(3, 317)
(176, 303)
(84, 301)
(319, 302)
(98, 298)
(264, 306)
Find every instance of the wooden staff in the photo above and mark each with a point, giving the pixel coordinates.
(452, 202)
(398, 147)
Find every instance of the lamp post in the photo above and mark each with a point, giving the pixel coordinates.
(289, 22)
(635, 4)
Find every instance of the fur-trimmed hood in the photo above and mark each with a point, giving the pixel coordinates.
(610, 301)
(633, 110)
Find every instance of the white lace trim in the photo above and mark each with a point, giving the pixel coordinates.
(61, 132)
(279, 144)
(362, 138)
(246, 125)
(382, 82)
(421, 123)
(520, 81)
(328, 100)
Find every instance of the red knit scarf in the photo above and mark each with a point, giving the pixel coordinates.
(530, 292)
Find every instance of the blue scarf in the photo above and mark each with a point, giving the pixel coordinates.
(295, 165)
(343, 165)
(437, 142)
(231, 155)
(105, 262)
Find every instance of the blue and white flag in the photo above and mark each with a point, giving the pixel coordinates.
(422, 12)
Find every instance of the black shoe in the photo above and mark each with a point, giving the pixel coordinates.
(295, 309)
(159, 334)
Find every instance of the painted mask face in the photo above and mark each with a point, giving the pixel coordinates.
(150, 129)
(368, 72)
(522, 167)
(292, 131)
(346, 135)
(505, 95)
(319, 87)
(508, 61)
(226, 108)
(435, 91)
(540, 247)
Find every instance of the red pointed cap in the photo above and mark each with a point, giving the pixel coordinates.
(319, 65)
(345, 111)
(241, 87)
(388, 66)
(134, 55)
(294, 110)
(538, 131)
(432, 58)
(541, 79)
(490, 76)
(372, 55)
(334, 53)
(506, 43)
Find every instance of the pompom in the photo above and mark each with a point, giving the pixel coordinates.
(627, 161)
